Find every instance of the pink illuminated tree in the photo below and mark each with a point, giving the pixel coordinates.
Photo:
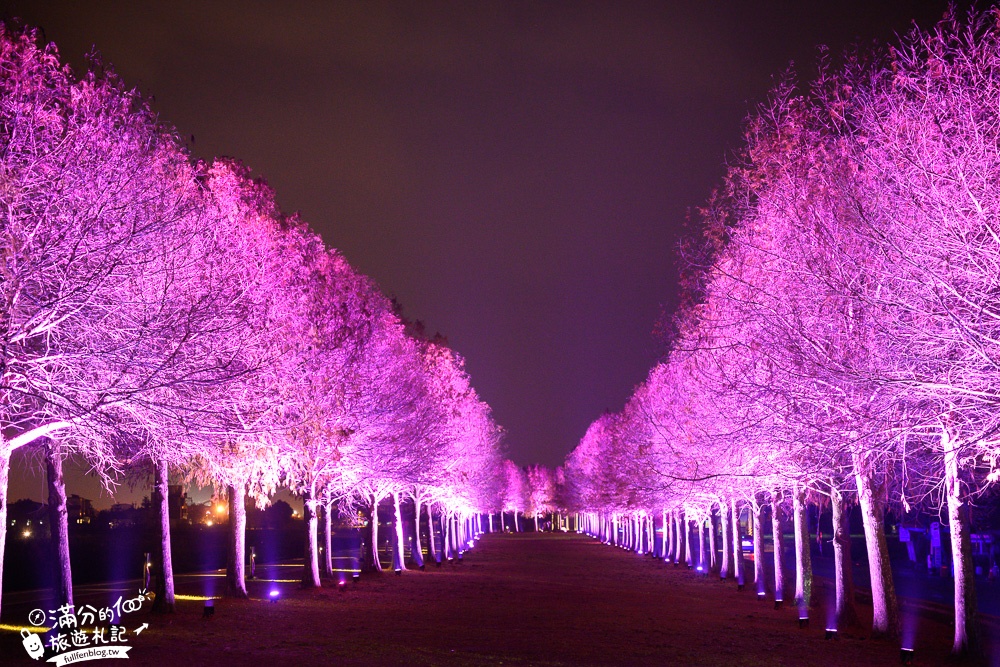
(541, 492)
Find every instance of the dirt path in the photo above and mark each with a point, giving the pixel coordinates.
(523, 599)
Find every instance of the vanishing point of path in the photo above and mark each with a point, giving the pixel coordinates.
(516, 599)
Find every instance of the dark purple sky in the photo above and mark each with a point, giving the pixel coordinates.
(515, 173)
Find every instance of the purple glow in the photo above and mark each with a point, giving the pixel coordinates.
(274, 594)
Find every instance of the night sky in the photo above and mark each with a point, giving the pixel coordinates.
(516, 174)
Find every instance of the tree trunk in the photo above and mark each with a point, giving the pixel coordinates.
(446, 534)
(702, 560)
(846, 611)
(680, 537)
(310, 569)
(776, 534)
(328, 540)
(418, 549)
(491, 521)
(164, 602)
(885, 621)
(713, 561)
(756, 510)
(966, 629)
(688, 547)
(803, 559)
(236, 585)
(664, 533)
(59, 525)
(4, 479)
(376, 563)
(727, 548)
(738, 568)
(398, 549)
(430, 534)
(536, 522)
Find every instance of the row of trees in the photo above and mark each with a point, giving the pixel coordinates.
(160, 314)
(840, 337)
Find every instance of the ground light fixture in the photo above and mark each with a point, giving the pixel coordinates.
(342, 585)
(274, 595)
(803, 621)
(831, 633)
(777, 603)
(761, 595)
(906, 656)
(209, 610)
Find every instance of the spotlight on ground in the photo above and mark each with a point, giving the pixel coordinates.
(761, 595)
(777, 603)
(831, 633)
(906, 656)
(803, 621)
(274, 595)
(209, 610)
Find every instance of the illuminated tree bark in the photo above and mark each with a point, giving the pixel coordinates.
(164, 602)
(737, 545)
(756, 509)
(4, 478)
(417, 552)
(713, 561)
(310, 569)
(776, 535)
(59, 524)
(398, 543)
(846, 611)
(446, 534)
(702, 556)
(727, 546)
(966, 641)
(885, 621)
(431, 529)
(376, 563)
(664, 535)
(803, 558)
(682, 537)
(236, 557)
